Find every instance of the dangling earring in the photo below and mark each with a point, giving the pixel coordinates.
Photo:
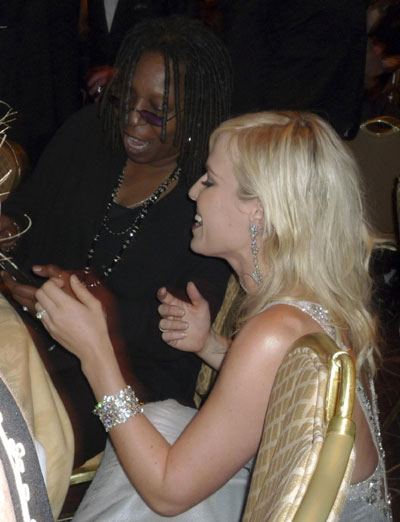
(256, 275)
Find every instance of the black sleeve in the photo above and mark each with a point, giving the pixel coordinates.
(65, 194)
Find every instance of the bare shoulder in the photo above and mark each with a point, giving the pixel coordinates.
(271, 333)
(256, 353)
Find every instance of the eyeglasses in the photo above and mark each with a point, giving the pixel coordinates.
(149, 117)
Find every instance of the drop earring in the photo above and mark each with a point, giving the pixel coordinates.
(256, 275)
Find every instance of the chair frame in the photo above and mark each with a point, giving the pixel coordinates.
(335, 453)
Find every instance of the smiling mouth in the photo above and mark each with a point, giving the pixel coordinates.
(134, 144)
(198, 221)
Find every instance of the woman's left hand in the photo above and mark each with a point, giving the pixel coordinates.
(78, 324)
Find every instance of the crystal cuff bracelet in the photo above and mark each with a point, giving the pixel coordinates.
(117, 409)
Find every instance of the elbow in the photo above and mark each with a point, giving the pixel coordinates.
(168, 505)
(168, 510)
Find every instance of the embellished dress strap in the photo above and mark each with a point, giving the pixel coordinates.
(316, 312)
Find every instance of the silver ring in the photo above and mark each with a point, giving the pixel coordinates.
(40, 314)
(99, 89)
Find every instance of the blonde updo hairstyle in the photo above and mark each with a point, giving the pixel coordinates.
(315, 241)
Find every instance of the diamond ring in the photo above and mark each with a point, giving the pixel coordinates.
(40, 314)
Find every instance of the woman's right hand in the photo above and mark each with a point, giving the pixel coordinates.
(184, 325)
(76, 319)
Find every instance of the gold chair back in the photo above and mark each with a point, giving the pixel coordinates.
(398, 207)
(305, 459)
(23, 371)
(207, 375)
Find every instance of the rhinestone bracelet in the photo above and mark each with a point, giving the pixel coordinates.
(116, 409)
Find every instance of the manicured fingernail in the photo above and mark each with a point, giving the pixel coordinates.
(37, 268)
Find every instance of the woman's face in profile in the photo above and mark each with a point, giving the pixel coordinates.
(222, 220)
(141, 129)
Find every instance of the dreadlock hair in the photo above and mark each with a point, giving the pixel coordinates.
(207, 84)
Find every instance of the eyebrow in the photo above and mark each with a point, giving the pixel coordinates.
(211, 170)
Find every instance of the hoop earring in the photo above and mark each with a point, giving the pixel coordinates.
(256, 275)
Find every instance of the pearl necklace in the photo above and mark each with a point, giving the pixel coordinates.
(131, 230)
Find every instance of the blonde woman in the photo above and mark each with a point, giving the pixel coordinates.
(280, 202)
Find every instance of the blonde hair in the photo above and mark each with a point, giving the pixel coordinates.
(315, 237)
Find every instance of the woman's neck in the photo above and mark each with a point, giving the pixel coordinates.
(140, 182)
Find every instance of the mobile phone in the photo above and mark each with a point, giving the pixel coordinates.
(9, 266)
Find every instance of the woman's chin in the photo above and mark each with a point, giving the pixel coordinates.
(197, 247)
(194, 245)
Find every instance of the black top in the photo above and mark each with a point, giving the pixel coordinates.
(66, 199)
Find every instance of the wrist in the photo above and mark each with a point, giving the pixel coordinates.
(214, 344)
(102, 371)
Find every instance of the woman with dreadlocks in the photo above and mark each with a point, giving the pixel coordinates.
(109, 198)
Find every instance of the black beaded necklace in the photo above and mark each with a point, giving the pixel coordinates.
(131, 230)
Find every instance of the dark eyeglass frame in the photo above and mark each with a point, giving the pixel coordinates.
(149, 117)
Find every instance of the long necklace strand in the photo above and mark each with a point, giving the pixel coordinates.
(133, 228)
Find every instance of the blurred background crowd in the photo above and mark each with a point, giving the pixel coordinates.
(337, 58)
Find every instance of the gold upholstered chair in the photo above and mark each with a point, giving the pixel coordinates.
(398, 207)
(221, 325)
(305, 459)
(22, 373)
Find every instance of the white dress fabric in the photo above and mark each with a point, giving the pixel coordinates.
(111, 496)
